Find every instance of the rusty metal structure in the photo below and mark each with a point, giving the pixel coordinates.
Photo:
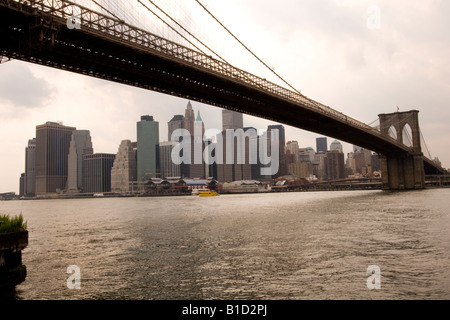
(64, 35)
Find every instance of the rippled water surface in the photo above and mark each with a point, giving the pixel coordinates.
(312, 245)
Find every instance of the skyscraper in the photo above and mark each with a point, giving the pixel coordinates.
(292, 152)
(22, 185)
(80, 144)
(189, 118)
(232, 120)
(336, 145)
(30, 164)
(97, 172)
(334, 165)
(147, 148)
(124, 168)
(239, 168)
(321, 145)
(167, 167)
(177, 122)
(283, 170)
(52, 150)
(197, 166)
(255, 164)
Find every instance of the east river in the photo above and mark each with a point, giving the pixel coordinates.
(310, 245)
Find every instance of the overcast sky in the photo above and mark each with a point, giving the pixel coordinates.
(334, 51)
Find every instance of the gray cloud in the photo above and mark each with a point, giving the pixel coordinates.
(22, 88)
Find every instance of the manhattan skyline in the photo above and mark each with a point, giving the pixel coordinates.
(331, 56)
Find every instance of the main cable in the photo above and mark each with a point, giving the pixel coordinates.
(188, 32)
(251, 52)
(111, 13)
(166, 23)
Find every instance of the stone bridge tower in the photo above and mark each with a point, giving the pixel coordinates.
(402, 170)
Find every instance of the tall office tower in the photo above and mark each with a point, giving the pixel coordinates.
(282, 169)
(321, 145)
(224, 169)
(336, 145)
(80, 144)
(97, 172)
(211, 166)
(177, 122)
(292, 152)
(197, 166)
(236, 163)
(335, 165)
(167, 167)
(375, 162)
(30, 161)
(242, 169)
(232, 120)
(361, 158)
(22, 185)
(124, 168)
(239, 168)
(306, 154)
(319, 166)
(255, 167)
(189, 118)
(147, 148)
(52, 150)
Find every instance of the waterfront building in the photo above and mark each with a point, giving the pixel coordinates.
(124, 168)
(80, 144)
(97, 172)
(30, 165)
(147, 148)
(52, 150)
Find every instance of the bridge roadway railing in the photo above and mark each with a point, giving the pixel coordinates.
(107, 27)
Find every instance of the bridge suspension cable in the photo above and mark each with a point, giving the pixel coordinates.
(422, 139)
(250, 51)
(187, 31)
(101, 6)
(166, 23)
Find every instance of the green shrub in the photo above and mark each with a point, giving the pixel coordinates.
(12, 224)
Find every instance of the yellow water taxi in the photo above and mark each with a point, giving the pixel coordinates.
(207, 193)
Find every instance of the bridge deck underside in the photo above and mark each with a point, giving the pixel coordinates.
(23, 37)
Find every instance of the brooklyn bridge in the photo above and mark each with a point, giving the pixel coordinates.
(64, 35)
